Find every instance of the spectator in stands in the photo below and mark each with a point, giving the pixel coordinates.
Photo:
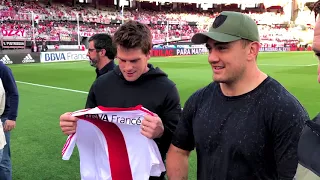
(245, 124)
(56, 47)
(309, 143)
(136, 82)
(44, 47)
(83, 47)
(8, 118)
(101, 53)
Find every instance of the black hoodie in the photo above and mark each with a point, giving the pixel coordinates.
(153, 90)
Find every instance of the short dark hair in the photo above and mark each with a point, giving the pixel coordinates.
(245, 42)
(134, 34)
(104, 41)
(316, 9)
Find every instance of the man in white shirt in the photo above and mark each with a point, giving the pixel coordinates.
(8, 118)
(2, 106)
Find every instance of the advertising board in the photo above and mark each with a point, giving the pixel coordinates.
(60, 56)
(19, 58)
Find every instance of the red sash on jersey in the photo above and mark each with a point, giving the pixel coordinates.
(118, 155)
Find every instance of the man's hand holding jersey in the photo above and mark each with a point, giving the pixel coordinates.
(152, 127)
(68, 123)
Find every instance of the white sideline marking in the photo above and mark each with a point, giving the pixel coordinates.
(53, 87)
(289, 65)
(84, 92)
(48, 64)
(186, 62)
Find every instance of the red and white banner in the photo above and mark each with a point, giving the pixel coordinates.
(87, 34)
(271, 44)
(11, 32)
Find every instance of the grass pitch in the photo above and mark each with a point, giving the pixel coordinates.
(37, 141)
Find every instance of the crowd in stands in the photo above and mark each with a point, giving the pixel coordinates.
(17, 16)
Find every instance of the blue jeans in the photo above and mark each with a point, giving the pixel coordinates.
(1, 153)
(5, 164)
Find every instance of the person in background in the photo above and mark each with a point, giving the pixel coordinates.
(83, 47)
(101, 53)
(8, 118)
(309, 143)
(44, 46)
(56, 47)
(2, 107)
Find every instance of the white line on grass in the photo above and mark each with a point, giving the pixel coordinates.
(192, 62)
(288, 65)
(53, 87)
(48, 64)
(84, 92)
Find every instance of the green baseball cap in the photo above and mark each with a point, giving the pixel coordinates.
(229, 26)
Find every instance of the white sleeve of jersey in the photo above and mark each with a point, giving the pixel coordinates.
(157, 166)
(69, 146)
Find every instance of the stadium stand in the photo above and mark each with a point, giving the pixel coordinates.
(98, 20)
(29, 24)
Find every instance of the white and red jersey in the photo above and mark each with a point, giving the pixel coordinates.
(111, 146)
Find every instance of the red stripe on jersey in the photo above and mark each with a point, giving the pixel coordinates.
(118, 154)
(66, 145)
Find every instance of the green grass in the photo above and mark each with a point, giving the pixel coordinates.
(37, 141)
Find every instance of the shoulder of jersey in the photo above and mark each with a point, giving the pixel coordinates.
(101, 109)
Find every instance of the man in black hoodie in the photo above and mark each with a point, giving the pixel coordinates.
(8, 118)
(135, 82)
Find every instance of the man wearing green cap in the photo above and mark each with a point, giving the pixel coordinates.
(244, 125)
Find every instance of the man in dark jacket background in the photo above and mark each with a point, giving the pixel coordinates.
(101, 53)
(136, 82)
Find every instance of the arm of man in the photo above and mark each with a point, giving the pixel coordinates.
(12, 98)
(177, 163)
(182, 144)
(286, 126)
(170, 116)
(12, 94)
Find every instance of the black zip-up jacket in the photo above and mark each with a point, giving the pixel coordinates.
(108, 67)
(153, 90)
(12, 95)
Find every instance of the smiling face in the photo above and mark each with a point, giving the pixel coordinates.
(132, 62)
(228, 60)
